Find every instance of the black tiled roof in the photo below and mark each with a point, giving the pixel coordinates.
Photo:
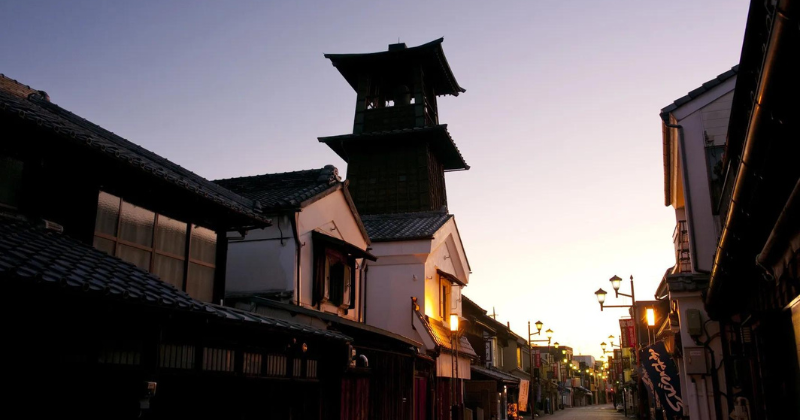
(81, 132)
(404, 226)
(283, 190)
(40, 257)
(437, 136)
(705, 87)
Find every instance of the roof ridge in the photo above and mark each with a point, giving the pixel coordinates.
(276, 174)
(705, 87)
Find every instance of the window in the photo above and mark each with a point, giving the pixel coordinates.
(10, 181)
(716, 178)
(158, 244)
(334, 277)
(444, 298)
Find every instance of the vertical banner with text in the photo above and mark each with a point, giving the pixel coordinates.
(627, 336)
(660, 375)
(523, 395)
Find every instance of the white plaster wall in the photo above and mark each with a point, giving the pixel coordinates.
(330, 215)
(389, 291)
(261, 261)
(704, 117)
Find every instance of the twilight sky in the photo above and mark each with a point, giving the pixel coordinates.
(559, 123)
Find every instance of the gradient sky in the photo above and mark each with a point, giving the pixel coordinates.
(559, 123)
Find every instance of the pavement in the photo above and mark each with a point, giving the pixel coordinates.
(593, 412)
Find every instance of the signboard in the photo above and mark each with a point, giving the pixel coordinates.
(627, 333)
(661, 375)
(523, 395)
(537, 358)
(488, 352)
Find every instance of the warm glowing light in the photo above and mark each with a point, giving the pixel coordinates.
(563, 351)
(556, 344)
(615, 281)
(565, 360)
(651, 317)
(601, 295)
(549, 333)
(454, 322)
(539, 325)
(603, 346)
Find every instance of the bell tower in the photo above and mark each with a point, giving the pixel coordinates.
(398, 152)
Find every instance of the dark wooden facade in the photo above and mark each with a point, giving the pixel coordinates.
(91, 332)
(755, 287)
(398, 152)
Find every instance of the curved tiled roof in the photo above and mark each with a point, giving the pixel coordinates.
(283, 190)
(404, 226)
(39, 257)
(37, 108)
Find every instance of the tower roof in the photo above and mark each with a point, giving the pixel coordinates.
(430, 56)
(437, 136)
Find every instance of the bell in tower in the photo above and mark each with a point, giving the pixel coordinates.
(398, 152)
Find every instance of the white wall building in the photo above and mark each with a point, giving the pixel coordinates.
(694, 134)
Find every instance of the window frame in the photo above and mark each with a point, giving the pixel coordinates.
(325, 257)
(185, 259)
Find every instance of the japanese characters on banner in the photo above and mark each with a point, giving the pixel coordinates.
(660, 375)
(523, 395)
(537, 358)
(627, 333)
(618, 365)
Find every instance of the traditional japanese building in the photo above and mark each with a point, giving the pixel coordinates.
(397, 155)
(112, 262)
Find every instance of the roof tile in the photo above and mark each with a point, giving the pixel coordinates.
(29, 253)
(283, 190)
(404, 226)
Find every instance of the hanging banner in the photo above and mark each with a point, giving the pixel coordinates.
(627, 333)
(522, 404)
(663, 375)
(537, 358)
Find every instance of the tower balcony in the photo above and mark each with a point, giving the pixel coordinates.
(396, 117)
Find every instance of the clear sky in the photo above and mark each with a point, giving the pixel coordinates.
(559, 123)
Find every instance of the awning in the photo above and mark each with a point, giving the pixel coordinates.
(343, 245)
(495, 374)
(451, 277)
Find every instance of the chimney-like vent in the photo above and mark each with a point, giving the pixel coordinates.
(397, 47)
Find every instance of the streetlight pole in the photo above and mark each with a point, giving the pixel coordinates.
(549, 334)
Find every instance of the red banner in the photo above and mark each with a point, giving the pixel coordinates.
(627, 333)
(537, 357)
(618, 362)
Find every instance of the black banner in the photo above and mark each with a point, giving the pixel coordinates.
(662, 379)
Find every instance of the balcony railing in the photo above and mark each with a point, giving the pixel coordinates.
(683, 257)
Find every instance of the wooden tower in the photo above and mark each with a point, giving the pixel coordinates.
(398, 152)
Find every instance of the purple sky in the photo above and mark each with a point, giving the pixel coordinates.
(559, 123)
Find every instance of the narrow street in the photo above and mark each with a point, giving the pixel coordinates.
(594, 412)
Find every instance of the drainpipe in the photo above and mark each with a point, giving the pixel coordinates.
(687, 196)
(364, 291)
(293, 219)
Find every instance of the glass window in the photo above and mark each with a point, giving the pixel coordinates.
(204, 245)
(107, 214)
(171, 236)
(136, 225)
(135, 256)
(157, 243)
(10, 181)
(169, 269)
(200, 284)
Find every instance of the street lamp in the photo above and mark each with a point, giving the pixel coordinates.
(549, 333)
(454, 324)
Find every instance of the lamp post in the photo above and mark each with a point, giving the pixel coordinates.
(615, 283)
(539, 325)
(454, 334)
